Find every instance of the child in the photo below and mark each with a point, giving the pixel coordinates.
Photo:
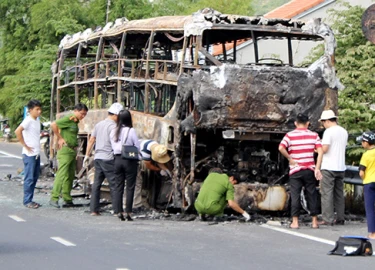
(367, 173)
(28, 134)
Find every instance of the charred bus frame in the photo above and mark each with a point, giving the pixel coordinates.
(209, 111)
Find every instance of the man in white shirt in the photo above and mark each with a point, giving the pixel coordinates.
(28, 134)
(333, 169)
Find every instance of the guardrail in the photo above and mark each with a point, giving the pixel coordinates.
(352, 176)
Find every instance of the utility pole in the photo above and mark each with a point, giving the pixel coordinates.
(107, 13)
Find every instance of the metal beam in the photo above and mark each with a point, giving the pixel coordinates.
(290, 51)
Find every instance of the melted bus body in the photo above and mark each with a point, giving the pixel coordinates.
(209, 109)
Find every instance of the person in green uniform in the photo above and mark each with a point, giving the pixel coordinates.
(66, 131)
(216, 193)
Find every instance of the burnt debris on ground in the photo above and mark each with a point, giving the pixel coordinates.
(277, 218)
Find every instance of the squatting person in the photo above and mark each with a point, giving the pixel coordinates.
(28, 134)
(216, 193)
(155, 157)
(298, 146)
(66, 131)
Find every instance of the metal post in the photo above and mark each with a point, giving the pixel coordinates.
(253, 36)
(235, 51)
(76, 89)
(193, 143)
(183, 55)
(98, 56)
(198, 42)
(290, 51)
(147, 87)
(224, 51)
(60, 66)
(107, 12)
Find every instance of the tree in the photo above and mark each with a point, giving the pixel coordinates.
(30, 33)
(30, 82)
(48, 26)
(15, 17)
(355, 65)
(187, 7)
(172, 7)
(131, 9)
(240, 7)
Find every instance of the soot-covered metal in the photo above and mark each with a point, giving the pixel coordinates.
(207, 112)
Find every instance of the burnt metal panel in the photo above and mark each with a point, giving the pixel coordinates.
(194, 24)
(147, 126)
(256, 98)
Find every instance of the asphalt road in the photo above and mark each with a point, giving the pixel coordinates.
(11, 158)
(50, 238)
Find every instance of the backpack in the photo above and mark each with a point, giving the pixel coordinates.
(352, 246)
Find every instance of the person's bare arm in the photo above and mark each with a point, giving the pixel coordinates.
(325, 148)
(20, 138)
(285, 153)
(318, 174)
(232, 204)
(362, 174)
(151, 166)
(90, 144)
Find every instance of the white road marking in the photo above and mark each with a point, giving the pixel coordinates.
(122, 269)
(63, 241)
(18, 219)
(306, 236)
(10, 155)
(302, 235)
(6, 165)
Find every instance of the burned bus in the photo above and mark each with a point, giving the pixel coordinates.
(208, 109)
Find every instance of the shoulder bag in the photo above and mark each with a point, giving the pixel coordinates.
(129, 152)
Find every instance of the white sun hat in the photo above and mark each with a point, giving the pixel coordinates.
(328, 114)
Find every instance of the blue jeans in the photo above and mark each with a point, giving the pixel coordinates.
(369, 192)
(31, 170)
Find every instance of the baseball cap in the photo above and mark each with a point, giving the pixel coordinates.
(115, 108)
(328, 114)
(369, 137)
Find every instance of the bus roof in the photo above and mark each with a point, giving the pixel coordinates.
(193, 24)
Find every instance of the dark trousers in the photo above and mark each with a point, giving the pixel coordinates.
(304, 178)
(332, 192)
(125, 170)
(103, 169)
(32, 170)
(369, 192)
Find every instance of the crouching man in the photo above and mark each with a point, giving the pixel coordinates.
(216, 193)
